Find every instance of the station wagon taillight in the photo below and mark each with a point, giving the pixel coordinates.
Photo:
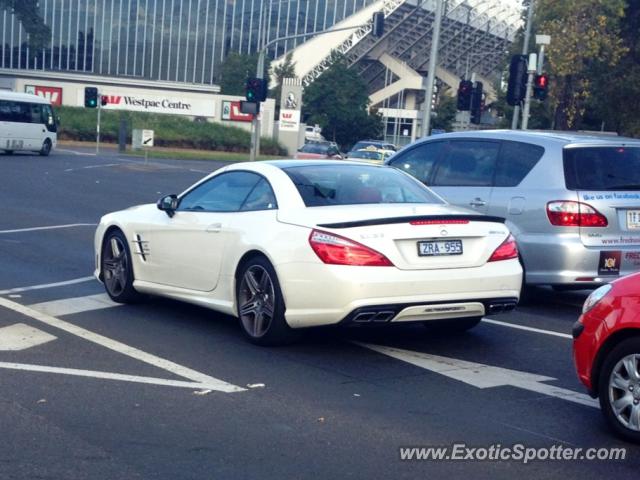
(568, 213)
(336, 250)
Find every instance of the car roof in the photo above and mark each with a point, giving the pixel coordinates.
(282, 164)
(562, 137)
(22, 97)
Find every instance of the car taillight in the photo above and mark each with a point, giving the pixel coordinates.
(506, 251)
(574, 214)
(336, 250)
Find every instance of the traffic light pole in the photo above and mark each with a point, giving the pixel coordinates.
(98, 125)
(531, 70)
(525, 51)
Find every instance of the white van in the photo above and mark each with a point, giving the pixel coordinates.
(27, 122)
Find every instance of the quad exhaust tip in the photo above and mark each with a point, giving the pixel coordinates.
(501, 307)
(377, 317)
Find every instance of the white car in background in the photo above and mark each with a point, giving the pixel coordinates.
(290, 244)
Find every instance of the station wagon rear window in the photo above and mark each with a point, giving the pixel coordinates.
(602, 168)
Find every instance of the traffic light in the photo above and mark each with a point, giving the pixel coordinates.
(90, 97)
(465, 89)
(541, 86)
(517, 88)
(476, 103)
(378, 24)
(256, 90)
(104, 100)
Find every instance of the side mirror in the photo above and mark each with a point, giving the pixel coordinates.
(168, 204)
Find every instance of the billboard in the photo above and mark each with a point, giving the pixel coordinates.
(53, 94)
(171, 103)
(231, 111)
(290, 120)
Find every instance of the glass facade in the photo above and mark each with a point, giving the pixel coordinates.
(173, 40)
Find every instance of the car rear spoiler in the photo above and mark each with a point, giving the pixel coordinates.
(426, 218)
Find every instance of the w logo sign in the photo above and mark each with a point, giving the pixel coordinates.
(112, 99)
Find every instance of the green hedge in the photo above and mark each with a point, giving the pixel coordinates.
(170, 130)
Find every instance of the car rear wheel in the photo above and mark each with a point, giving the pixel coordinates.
(46, 148)
(453, 325)
(261, 305)
(619, 389)
(117, 271)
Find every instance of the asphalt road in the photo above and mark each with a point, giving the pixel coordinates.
(163, 390)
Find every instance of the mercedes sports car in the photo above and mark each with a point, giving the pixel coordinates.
(289, 244)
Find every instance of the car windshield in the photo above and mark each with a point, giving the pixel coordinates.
(323, 185)
(602, 168)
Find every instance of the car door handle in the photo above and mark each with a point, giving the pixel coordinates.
(214, 228)
(477, 202)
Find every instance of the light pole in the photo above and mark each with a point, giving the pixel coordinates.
(433, 62)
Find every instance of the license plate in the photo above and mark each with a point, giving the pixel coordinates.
(633, 219)
(439, 247)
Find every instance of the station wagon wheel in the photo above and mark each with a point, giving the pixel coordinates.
(260, 304)
(116, 268)
(619, 389)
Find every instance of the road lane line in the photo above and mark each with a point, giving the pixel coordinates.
(69, 306)
(21, 337)
(82, 154)
(528, 329)
(121, 348)
(88, 167)
(49, 227)
(112, 376)
(47, 285)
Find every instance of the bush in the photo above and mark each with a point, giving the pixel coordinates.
(170, 130)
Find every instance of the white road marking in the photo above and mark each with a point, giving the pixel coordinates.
(49, 227)
(82, 154)
(20, 337)
(483, 376)
(69, 306)
(201, 378)
(113, 376)
(528, 329)
(88, 167)
(47, 285)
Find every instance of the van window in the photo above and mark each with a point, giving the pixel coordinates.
(18, 112)
(467, 163)
(602, 168)
(516, 160)
(419, 160)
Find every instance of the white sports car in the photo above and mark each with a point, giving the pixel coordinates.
(289, 244)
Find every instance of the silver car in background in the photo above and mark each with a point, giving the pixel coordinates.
(571, 200)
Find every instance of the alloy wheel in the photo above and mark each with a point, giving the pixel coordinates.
(624, 391)
(115, 266)
(256, 301)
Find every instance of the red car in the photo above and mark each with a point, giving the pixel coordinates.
(318, 150)
(606, 352)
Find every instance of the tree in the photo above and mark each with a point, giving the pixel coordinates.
(445, 113)
(585, 35)
(286, 69)
(27, 12)
(234, 72)
(338, 101)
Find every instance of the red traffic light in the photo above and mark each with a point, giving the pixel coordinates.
(542, 81)
(540, 86)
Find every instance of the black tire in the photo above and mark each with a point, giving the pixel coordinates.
(46, 148)
(608, 393)
(117, 269)
(453, 325)
(8, 152)
(260, 304)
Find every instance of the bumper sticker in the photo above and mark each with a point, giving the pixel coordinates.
(609, 263)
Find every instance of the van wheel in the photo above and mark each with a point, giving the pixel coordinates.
(9, 152)
(46, 148)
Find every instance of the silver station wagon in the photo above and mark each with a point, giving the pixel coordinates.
(571, 200)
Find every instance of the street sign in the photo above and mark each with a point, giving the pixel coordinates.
(142, 139)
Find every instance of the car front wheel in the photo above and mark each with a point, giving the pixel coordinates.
(117, 271)
(260, 304)
(619, 389)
